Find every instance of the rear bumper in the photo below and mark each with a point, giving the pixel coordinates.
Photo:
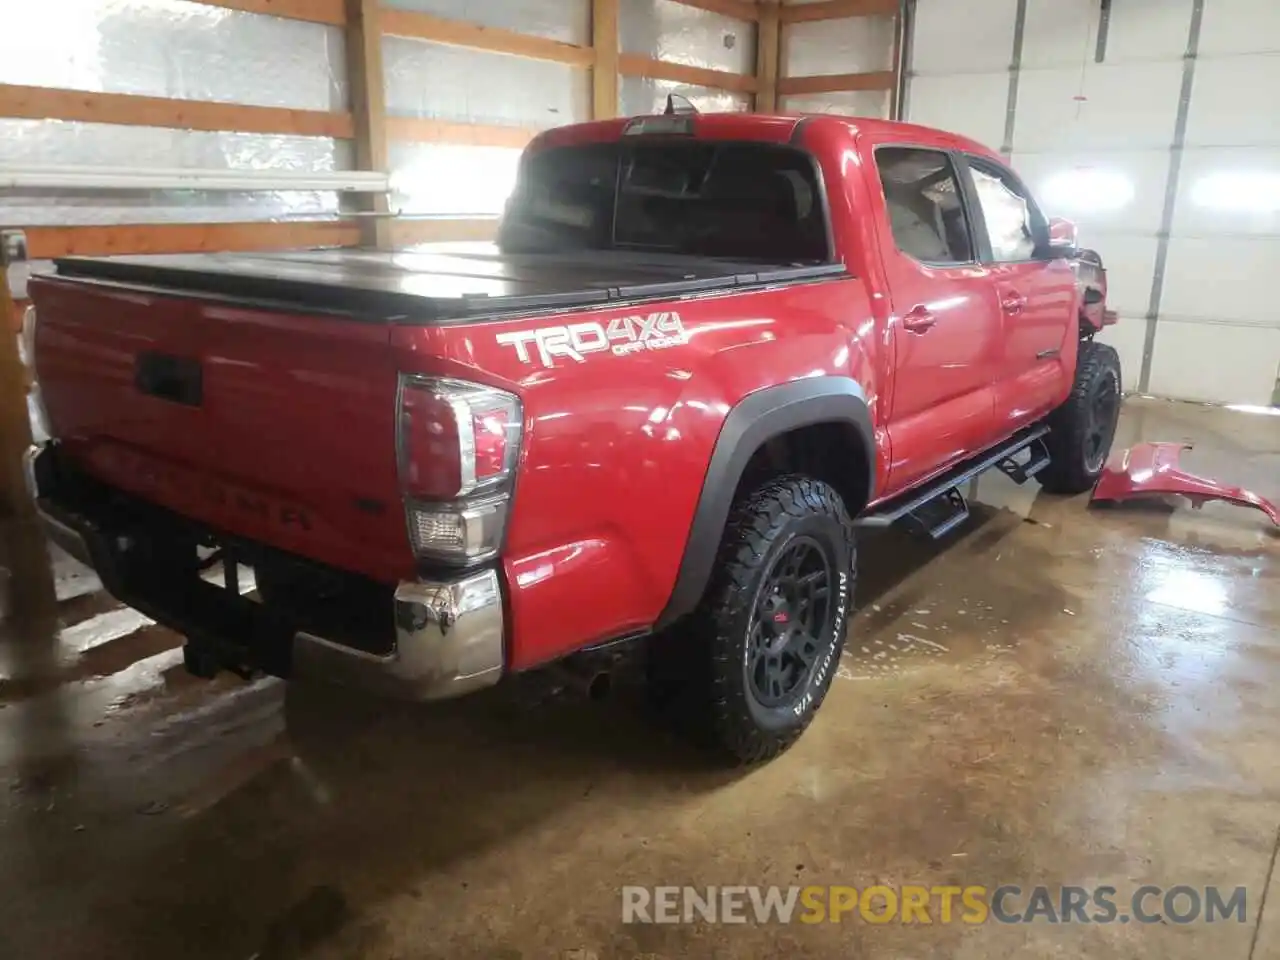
(448, 642)
(448, 634)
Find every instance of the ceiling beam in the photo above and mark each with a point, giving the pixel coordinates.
(446, 131)
(738, 9)
(316, 11)
(45, 243)
(878, 80)
(458, 33)
(45, 103)
(634, 65)
(836, 9)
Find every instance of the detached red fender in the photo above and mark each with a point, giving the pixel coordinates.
(1151, 470)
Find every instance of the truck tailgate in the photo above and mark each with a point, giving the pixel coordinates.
(273, 426)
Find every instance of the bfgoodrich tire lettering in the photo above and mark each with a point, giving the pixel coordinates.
(773, 654)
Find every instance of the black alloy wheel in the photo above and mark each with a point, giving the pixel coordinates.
(1100, 426)
(791, 623)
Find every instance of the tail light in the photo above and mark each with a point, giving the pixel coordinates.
(458, 443)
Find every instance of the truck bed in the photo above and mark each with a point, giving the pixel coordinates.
(418, 286)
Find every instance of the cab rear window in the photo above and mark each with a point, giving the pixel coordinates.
(743, 201)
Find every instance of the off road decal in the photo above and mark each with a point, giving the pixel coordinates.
(620, 336)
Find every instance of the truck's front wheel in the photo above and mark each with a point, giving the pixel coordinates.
(1081, 430)
(775, 614)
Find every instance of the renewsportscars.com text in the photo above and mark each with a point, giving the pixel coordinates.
(906, 904)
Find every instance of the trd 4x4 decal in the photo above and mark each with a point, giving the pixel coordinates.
(621, 336)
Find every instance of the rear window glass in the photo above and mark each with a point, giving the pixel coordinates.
(742, 201)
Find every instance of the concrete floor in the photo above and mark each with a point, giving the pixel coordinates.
(1054, 695)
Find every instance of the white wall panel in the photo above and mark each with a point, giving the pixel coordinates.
(1108, 190)
(1222, 278)
(667, 30)
(1063, 33)
(1240, 26)
(850, 103)
(174, 48)
(1227, 102)
(1095, 140)
(971, 104)
(1126, 106)
(641, 95)
(847, 45)
(1229, 190)
(452, 83)
(1127, 336)
(565, 20)
(961, 36)
(1215, 362)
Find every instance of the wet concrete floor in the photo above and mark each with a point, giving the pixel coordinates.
(1054, 695)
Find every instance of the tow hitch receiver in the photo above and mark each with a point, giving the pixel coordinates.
(1152, 470)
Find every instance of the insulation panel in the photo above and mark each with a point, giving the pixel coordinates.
(177, 49)
(667, 30)
(848, 45)
(566, 20)
(437, 81)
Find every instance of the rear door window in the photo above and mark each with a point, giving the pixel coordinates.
(925, 206)
(742, 201)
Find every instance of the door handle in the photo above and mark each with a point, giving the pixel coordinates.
(918, 320)
(1013, 303)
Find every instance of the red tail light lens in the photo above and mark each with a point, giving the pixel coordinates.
(458, 443)
(456, 438)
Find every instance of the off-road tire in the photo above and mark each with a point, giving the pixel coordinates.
(1074, 463)
(785, 517)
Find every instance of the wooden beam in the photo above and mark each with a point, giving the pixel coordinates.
(425, 26)
(604, 74)
(634, 65)
(879, 80)
(316, 11)
(44, 243)
(445, 131)
(45, 103)
(768, 49)
(368, 114)
(836, 9)
(406, 233)
(738, 9)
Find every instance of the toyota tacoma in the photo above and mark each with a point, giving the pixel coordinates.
(706, 349)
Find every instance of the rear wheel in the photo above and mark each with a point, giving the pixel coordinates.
(775, 615)
(1081, 430)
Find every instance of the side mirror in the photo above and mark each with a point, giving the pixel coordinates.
(1062, 237)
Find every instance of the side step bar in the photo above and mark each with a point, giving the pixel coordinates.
(939, 507)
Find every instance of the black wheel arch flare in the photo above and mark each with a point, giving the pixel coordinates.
(756, 419)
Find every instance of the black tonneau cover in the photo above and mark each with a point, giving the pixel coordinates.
(419, 285)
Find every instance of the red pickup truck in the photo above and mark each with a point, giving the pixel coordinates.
(707, 348)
